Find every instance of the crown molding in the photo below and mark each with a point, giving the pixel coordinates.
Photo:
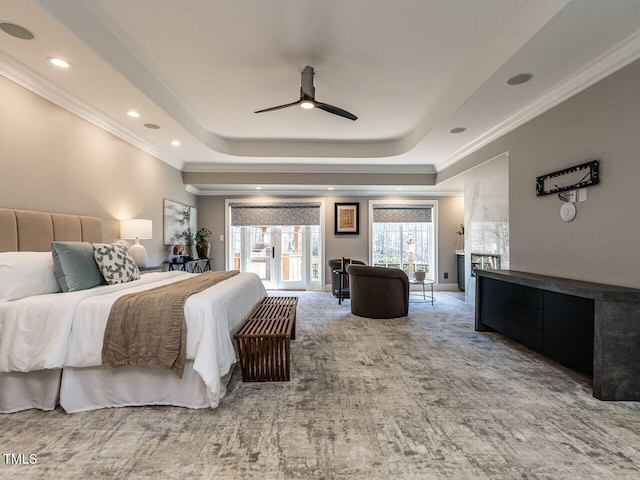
(304, 168)
(36, 83)
(611, 61)
(286, 191)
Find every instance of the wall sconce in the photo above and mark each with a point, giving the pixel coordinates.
(137, 228)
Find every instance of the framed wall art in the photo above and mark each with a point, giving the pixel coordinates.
(347, 216)
(180, 222)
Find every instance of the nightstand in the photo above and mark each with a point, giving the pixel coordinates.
(150, 269)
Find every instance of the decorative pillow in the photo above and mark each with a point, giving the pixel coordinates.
(23, 274)
(115, 262)
(74, 266)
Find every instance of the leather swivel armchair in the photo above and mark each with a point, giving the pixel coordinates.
(378, 292)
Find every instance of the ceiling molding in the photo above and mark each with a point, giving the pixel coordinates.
(286, 191)
(36, 83)
(609, 62)
(192, 189)
(304, 168)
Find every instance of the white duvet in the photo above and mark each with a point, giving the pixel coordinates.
(67, 329)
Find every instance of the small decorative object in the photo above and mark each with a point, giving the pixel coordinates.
(460, 240)
(203, 247)
(347, 219)
(178, 249)
(419, 275)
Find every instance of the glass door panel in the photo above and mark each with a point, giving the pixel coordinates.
(291, 257)
(261, 254)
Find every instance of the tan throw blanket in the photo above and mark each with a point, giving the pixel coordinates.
(148, 328)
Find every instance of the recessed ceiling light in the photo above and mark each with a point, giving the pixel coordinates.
(152, 126)
(258, 188)
(398, 189)
(520, 79)
(16, 31)
(307, 104)
(133, 114)
(458, 130)
(331, 188)
(175, 143)
(58, 62)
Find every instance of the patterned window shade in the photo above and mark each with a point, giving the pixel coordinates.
(401, 213)
(243, 215)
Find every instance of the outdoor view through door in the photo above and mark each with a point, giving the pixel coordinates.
(285, 254)
(403, 236)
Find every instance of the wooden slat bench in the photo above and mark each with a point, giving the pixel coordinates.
(263, 340)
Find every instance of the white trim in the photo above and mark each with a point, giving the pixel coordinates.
(611, 61)
(304, 168)
(36, 83)
(328, 193)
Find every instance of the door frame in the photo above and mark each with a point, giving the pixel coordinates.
(275, 201)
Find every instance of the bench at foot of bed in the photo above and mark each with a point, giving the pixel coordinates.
(263, 340)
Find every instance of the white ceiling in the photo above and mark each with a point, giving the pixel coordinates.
(411, 70)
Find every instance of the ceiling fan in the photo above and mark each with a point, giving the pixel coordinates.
(308, 100)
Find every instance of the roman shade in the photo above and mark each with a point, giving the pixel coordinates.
(402, 213)
(244, 215)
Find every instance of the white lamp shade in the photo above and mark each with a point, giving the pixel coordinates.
(136, 228)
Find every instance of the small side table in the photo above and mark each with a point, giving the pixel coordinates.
(342, 291)
(150, 269)
(192, 266)
(425, 297)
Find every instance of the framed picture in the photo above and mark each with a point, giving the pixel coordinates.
(347, 218)
(180, 222)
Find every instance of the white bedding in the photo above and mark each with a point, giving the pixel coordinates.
(66, 329)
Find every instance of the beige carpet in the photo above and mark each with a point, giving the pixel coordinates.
(424, 397)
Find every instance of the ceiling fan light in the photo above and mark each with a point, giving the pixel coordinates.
(307, 104)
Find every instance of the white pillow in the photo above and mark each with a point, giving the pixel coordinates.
(23, 274)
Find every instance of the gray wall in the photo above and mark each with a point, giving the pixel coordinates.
(54, 161)
(600, 245)
(450, 216)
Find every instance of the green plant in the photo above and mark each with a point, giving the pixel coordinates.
(461, 230)
(202, 234)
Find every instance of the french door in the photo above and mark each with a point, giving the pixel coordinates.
(284, 257)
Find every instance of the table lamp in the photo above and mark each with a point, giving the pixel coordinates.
(137, 228)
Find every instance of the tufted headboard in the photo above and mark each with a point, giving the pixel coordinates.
(25, 230)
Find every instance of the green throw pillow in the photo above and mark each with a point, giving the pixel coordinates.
(115, 263)
(74, 266)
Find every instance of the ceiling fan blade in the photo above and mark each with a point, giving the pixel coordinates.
(278, 107)
(307, 82)
(335, 110)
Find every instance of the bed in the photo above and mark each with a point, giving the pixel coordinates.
(50, 344)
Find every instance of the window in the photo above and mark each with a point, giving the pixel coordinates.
(403, 236)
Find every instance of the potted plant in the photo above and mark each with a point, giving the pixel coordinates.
(203, 247)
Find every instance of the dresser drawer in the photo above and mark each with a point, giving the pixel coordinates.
(524, 334)
(525, 314)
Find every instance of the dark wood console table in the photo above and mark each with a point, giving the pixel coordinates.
(590, 327)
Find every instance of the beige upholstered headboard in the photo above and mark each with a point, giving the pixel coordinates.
(24, 230)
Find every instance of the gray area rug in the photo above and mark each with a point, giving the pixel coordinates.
(422, 397)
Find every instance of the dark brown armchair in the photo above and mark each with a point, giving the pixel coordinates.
(336, 264)
(378, 292)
